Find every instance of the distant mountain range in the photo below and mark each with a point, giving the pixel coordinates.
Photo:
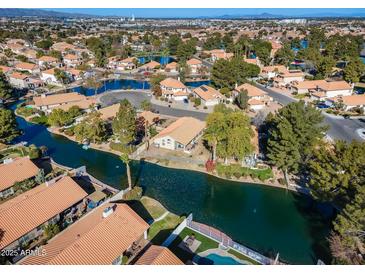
(49, 13)
(40, 13)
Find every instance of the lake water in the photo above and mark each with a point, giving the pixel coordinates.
(267, 219)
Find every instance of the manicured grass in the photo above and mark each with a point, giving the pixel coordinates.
(242, 257)
(154, 208)
(159, 231)
(206, 243)
(237, 171)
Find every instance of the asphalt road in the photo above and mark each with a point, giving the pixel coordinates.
(340, 128)
(136, 97)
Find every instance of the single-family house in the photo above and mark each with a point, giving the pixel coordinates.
(6, 70)
(349, 102)
(152, 65)
(328, 89)
(14, 171)
(24, 218)
(19, 80)
(258, 98)
(172, 67)
(72, 60)
(114, 227)
(209, 96)
(181, 135)
(194, 65)
(284, 79)
(29, 67)
(126, 64)
(217, 54)
(173, 89)
(158, 255)
(48, 102)
(46, 61)
(270, 72)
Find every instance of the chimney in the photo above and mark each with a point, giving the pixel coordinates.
(108, 211)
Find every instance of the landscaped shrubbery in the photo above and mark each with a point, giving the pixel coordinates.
(25, 112)
(237, 171)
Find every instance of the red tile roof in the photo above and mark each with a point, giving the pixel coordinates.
(29, 210)
(158, 255)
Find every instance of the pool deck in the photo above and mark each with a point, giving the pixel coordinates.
(222, 253)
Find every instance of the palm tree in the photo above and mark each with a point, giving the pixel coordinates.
(93, 83)
(125, 159)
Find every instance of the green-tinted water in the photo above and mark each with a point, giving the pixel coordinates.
(264, 218)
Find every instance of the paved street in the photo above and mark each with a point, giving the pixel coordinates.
(136, 97)
(340, 128)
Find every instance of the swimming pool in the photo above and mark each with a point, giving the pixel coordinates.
(215, 259)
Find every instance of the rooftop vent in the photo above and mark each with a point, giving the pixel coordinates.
(8, 161)
(108, 211)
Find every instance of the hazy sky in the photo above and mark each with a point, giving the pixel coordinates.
(174, 12)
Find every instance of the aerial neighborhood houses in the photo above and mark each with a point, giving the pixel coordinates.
(24, 217)
(217, 54)
(48, 102)
(258, 98)
(181, 135)
(208, 95)
(174, 89)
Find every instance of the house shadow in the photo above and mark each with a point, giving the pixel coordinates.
(140, 209)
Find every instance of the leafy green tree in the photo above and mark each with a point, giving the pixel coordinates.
(61, 76)
(186, 50)
(8, 126)
(284, 56)
(242, 99)
(173, 42)
(93, 129)
(324, 67)
(124, 123)
(155, 81)
(294, 132)
(337, 171)
(354, 70)
(93, 83)
(44, 44)
(145, 105)
(5, 88)
(51, 230)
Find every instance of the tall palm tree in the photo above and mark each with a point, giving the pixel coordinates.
(125, 159)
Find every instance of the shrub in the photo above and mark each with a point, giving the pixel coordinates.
(210, 166)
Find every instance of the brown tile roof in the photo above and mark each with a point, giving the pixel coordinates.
(353, 100)
(93, 240)
(172, 83)
(208, 93)
(48, 59)
(5, 69)
(18, 75)
(309, 84)
(25, 66)
(58, 99)
(255, 102)
(193, 61)
(280, 69)
(149, 116)
(109, 112)
(158, 255)
(251, 90)
(183, 130)
(83, 104)
(172, 65)
(336, 85)
(29, 210)
(151, 65)
(16, 171)
(70, 57)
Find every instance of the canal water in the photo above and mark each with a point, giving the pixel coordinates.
(126, 84)
(163, 60)
(267, 219)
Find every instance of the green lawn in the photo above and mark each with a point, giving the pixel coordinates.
(242, 257)
(159, 231)
(206, 243)
(154, 208)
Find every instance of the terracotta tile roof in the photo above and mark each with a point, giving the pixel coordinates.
(252, 91)
(183, 130)
(336, 85)
(17, 170)
(18, 75)
(48, 59)
(93, 240)
(208, 93)
(255, 102)
(158, 255)
(5, 69)
(29, 210)
(25, 66)
(290, 74)
(193, 61)
(83, 104)
(172, 83)
(149, 116)
(280, 69)
(70, 57)
(58, 99)
(62, 46)
(109, 112)
(309, 84)
(151, 65)
(172, 65)
(128, 60)
(352, 100)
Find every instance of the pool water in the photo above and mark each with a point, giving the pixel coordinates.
(215, 259)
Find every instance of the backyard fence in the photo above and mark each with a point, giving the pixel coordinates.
(226, 241)
(176, 232)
